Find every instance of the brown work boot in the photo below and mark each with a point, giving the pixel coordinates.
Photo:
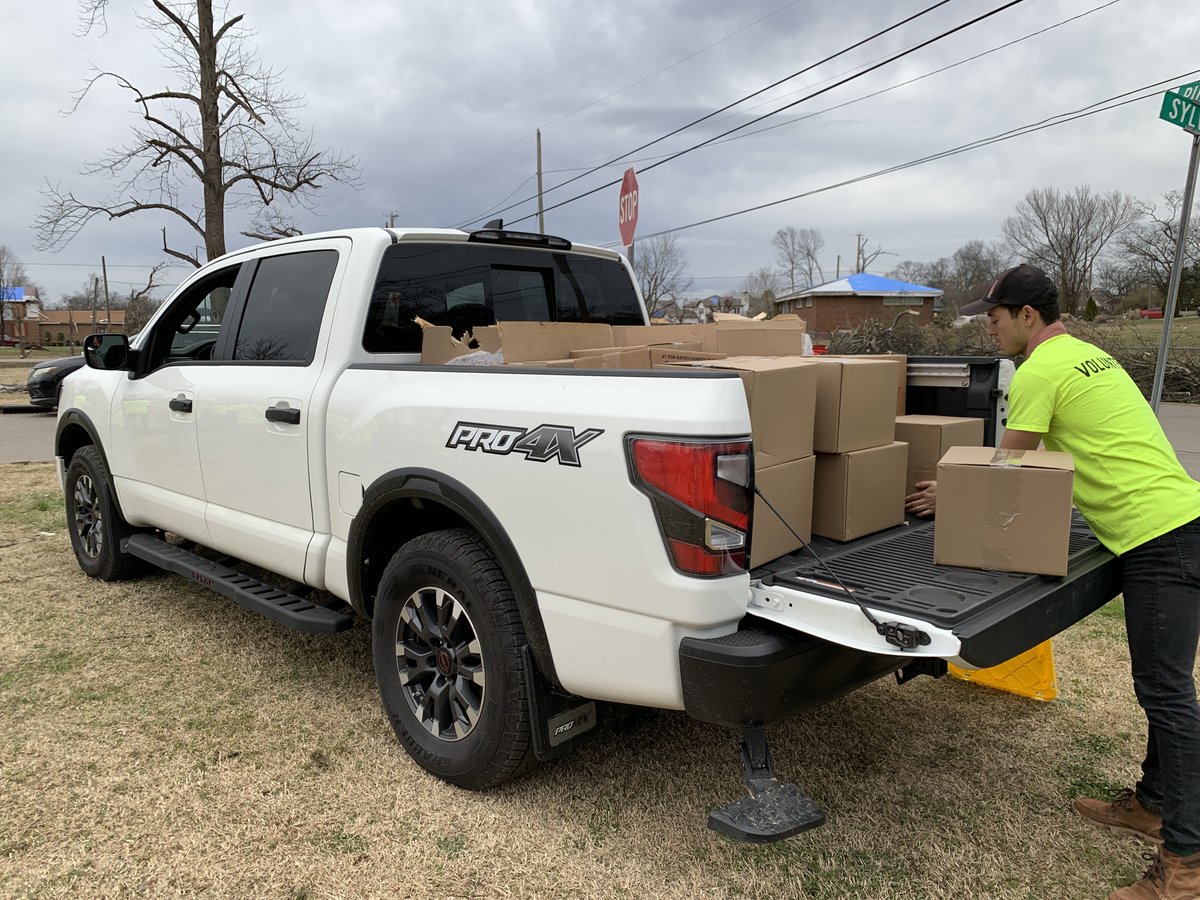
(1125, 814)
(1169, 877)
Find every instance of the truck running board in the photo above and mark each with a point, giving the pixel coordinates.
(774, 810)
(280, 606)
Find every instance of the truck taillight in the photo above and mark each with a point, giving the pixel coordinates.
(702, 492)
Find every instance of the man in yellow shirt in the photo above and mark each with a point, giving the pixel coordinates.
(1144, 507)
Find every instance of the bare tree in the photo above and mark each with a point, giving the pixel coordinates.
(12, 275)
(1147, 250)
(223, 137)
(761, 288)
(1065, 233)
(864, 255)
(660, 266)
(141, 304)
(797, 251)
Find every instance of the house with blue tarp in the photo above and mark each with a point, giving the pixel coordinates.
(849, 301)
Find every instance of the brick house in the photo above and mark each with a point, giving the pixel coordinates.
(71, 326)
(848, 302)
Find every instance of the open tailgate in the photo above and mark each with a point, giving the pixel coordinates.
(971, 616)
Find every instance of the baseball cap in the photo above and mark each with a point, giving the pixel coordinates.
(1022, 285)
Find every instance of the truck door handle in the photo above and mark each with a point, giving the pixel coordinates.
(180, 405)
(284, 415)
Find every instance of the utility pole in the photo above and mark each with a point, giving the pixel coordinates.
(541, 212)
(95, 299)
(107, 305)
(391, 221)
(858, 253)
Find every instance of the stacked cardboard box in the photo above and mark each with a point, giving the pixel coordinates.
(928, 439)
(860, 467)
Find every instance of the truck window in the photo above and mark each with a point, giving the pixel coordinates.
(284, 307)
(465, 285)
(188, 329)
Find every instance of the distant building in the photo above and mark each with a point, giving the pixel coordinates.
(848, 302)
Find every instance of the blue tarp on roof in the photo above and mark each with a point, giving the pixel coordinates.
(866, 283)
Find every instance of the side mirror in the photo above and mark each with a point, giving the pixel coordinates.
(106, 351)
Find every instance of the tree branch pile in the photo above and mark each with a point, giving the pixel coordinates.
(1135, 350)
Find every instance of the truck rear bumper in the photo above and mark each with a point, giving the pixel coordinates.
(763, 673)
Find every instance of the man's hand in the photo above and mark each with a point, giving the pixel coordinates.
(924, 501)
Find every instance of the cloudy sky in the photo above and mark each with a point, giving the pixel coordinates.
(440, 103)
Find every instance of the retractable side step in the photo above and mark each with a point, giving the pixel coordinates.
(280, 606)
(775, 809)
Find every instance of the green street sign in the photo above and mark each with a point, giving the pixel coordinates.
(1189, 91)
(1179, 110)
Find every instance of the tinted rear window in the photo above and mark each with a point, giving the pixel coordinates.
(463, 285)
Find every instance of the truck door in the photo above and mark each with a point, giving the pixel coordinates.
(260, 433)
(154, 451)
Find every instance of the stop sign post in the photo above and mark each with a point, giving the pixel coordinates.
(627, 209)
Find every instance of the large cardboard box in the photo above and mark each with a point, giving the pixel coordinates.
(529, 341)
(781, 393)
(901, 374)
(1004, 509)
(928, 439)
(642, 335)
(781, 336)
(859, 492)
(789, 487)
(855, 404)
(612, 358)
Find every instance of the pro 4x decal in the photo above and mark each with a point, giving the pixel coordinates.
(541, 444)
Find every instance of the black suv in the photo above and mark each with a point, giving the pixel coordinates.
(45, 380)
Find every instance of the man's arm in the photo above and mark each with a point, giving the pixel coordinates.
(923, 503)
(1020, 440)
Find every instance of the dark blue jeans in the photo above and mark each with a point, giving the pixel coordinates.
(1161, 582)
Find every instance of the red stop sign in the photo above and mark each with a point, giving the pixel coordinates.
(627, 210)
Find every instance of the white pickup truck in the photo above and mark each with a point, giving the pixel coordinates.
(525, 541)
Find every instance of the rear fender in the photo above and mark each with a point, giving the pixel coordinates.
(405, 503)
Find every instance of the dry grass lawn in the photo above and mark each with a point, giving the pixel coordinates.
(158, 741)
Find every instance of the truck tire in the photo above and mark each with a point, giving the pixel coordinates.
(95, 526)
(447, 641)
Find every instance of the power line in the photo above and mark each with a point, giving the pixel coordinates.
(816, 93)
(1060, 119)
(609, 97)
(873, 94)
(729, 106)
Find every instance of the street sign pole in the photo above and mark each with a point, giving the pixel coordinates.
(1185, 215)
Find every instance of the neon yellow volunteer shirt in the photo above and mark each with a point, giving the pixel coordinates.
(1129, 484)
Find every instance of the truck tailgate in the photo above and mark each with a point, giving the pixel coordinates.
(973, 616)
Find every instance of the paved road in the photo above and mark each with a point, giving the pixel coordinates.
(30, 436)
(27, 437)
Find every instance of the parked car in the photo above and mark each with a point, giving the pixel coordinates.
(46, 378)
(1154, 312)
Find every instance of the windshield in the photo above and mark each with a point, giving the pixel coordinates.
(465, 285)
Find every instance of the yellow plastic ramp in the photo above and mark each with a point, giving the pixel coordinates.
(1031, 674)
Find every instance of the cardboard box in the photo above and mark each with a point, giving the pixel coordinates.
(648, 335)
(860, 492)
(901, 375)
(1004, 509)
(928, 439)
(781, 336)
(612, 358)
(528, 341)
(681, 352)
(439, 346)
(855, 403)
(789, 487)
(781, 393)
